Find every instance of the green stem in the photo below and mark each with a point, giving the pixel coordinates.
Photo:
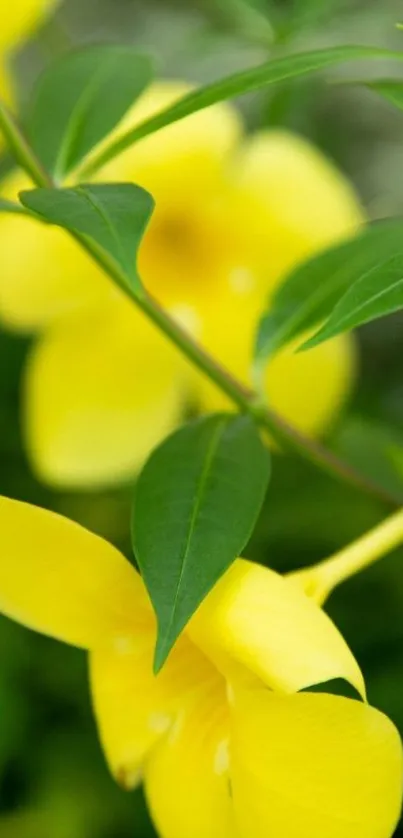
(21, 150)
(320, 580)
(247, 400)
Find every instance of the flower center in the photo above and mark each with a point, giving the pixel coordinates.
(185, 251)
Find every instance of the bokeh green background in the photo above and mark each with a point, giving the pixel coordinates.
(53, 781)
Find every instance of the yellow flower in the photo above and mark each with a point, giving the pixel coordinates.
(18, 19)
(227, 744)
(233, 215)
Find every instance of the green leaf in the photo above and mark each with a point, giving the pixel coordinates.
(275, 70)
(196, 504)
(391, 90)
(310, 292)
(376, 289)
(111, 216)
(80, 99)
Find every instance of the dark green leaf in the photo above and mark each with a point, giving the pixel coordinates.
(391, 90)
(376, 289)
(80, 99)
(113, 216)
(196, 503)
(310, 292)
(275, 70)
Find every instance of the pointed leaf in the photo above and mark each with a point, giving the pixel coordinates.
(196, 503)
(373, 292)
(113, 216)
(311, 291)
(271, 72)
(80, 99)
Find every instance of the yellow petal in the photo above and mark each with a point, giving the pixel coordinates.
(291, 378)
(133, 706)
(179, 159)
(189, 247)
(257, 618)
(62, 580)
(128, 705)
(6, 87)
(21, 16)
(100, 393)
(288, 202)
(44, 273)
(292, 383)
(314, 766)
(295, 201)
(187, 780)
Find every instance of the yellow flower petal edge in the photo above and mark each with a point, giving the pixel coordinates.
(46, 276)
(313, 766)
(265, 623)
(100, 392)
(128, 704)
(58, 578)
(297, 202)
(19, 18)
(194, 148)
(18, 21)
(135, 708)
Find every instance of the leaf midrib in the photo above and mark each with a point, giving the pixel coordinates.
(368, 302)
(65, 159)
(97, 207)
(293, 325)
(201, 485)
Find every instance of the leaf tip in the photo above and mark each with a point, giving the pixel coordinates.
(315, 340)
(163, 648)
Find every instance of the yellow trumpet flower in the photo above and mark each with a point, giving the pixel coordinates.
(18, 19)
(225, 741)
(233, 214)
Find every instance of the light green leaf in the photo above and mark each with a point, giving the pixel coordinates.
(196, 504)
(80, 99)
(391, 90)
(111, 216)
(376, 289)
(275, 70)
(310, 292)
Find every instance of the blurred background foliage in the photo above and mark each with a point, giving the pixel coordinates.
(53, 782)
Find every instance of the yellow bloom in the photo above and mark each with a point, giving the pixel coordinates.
(233, 215)
(18, 19)
(224, 740)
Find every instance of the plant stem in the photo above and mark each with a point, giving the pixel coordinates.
(246, 399)
(21, 149)
(320, 580)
